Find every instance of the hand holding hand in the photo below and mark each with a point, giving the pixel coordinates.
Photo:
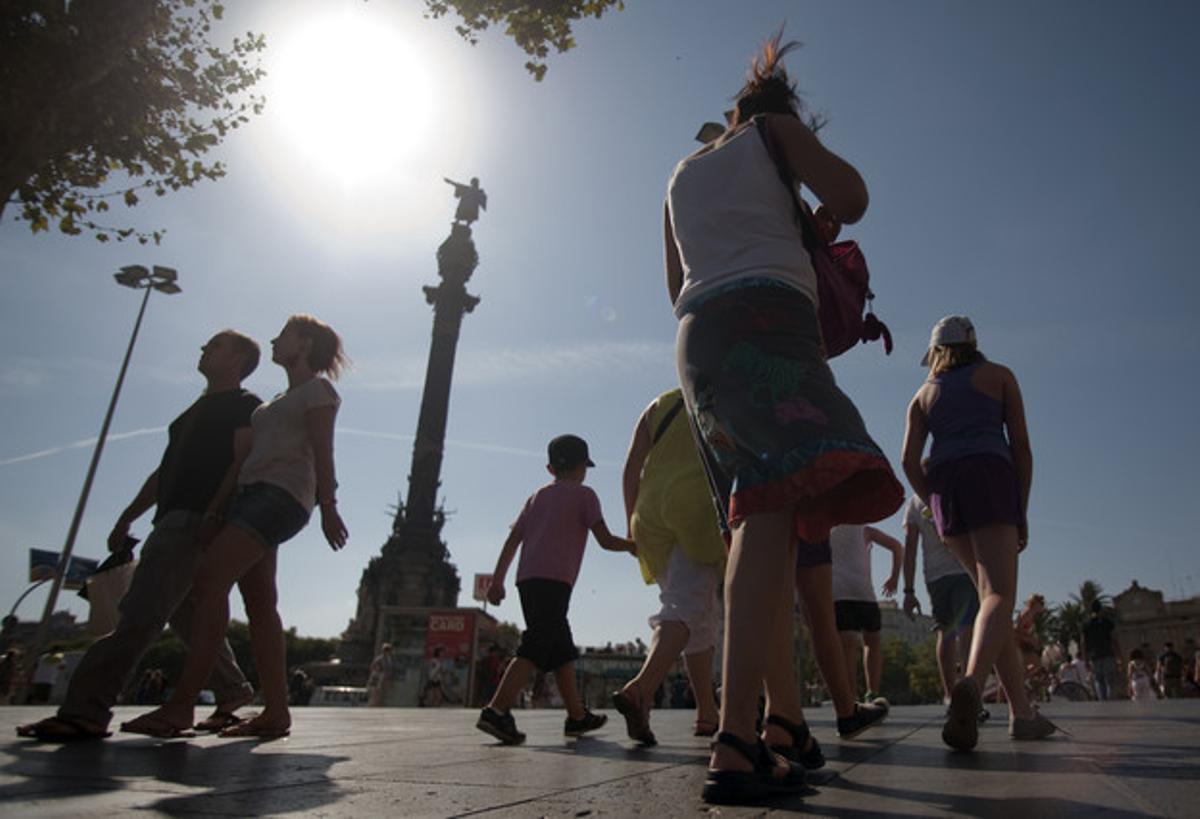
(116, 538)
(334, 528)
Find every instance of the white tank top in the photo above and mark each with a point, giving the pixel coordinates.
(733, 219)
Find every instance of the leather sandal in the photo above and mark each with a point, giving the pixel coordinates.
(811, 759)
(745, 787)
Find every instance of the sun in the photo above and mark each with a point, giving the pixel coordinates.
(351, 95)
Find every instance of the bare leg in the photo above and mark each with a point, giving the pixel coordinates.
(518, 674)
(266, 638)
(757, 578)
(947, 660)
(873, 660)
(816, 593)
(699, 670)
(783, 695)
(666, 644)
(230, 555)
(568, 689)
(992, 553)
(852, 653)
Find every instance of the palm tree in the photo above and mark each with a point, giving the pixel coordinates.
(1066, 622)
(1089, 592)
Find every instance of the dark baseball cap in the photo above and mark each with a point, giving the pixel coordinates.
(568, 451)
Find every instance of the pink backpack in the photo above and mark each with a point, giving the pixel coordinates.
(843, 281)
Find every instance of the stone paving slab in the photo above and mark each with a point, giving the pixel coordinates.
(1122, 759)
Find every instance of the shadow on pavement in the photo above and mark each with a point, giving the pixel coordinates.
(241, 768)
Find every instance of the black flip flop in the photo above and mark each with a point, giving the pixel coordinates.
(74, 731)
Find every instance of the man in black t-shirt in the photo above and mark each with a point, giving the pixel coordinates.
(189, 492)
(1100, 647)
(1170, 672)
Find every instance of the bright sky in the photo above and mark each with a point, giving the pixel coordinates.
(1031, 165)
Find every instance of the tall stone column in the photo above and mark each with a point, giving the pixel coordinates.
(413, 568)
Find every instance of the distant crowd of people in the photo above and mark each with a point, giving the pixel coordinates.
(755, 476)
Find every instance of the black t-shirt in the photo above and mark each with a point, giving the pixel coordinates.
(200, 450)
(1097, 633)
(1172, 664)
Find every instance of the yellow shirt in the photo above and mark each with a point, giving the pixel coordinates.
(674, 504)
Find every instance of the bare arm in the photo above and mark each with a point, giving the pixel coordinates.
(507, 552)
(320, 436)
(611, 542)
(834, 180)
(631, 478)
(672, 261)
(892, 545)
(145, 498)
(916, 430)
(1018, 438)
(912, 538)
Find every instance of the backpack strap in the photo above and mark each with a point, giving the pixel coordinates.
(661, 429)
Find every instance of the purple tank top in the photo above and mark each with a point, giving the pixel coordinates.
(963, 421)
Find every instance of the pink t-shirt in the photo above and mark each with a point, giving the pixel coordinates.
(553, 527)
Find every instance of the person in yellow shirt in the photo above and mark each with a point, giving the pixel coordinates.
(669, 509)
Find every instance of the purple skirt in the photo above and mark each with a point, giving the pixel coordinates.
(972, 492)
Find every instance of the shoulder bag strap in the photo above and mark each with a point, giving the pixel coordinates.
(661, 430)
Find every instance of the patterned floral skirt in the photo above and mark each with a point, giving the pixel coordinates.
(775, 430)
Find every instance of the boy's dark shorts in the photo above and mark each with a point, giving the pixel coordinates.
(955, 602)
(857, 615)
(546, 641)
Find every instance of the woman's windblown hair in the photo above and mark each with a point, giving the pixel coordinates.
(768, 90)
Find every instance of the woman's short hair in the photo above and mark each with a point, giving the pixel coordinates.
(768, 89)
(946, 357)
(326, 354)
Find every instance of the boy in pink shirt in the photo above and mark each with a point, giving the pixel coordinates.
(552, 529)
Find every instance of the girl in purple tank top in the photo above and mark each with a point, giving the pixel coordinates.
(976, 481)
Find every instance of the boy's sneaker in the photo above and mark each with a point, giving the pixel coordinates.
(502, 726)
(864, 717)
(588, 722)
(1038, 727)
(872, 698)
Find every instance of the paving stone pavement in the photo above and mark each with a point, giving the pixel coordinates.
(1121, 759)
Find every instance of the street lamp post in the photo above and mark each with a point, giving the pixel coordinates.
(137, 277)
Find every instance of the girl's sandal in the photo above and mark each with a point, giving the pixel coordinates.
(745, 787)
(704, 728)
(636, 723)
(811, 759)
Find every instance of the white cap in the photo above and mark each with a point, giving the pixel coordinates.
(950, 330)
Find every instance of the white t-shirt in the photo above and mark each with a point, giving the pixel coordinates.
(282, 454)
(733, 219)
(938, 560)
(851, 563)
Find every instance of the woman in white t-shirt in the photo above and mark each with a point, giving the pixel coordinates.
(283, 467)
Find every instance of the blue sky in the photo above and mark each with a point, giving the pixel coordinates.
(1030, 165)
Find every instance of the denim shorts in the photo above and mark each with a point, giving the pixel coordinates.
(269, 513)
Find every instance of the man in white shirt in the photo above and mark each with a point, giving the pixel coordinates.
(951, 591)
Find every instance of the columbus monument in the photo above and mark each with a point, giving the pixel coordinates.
(413, 571)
